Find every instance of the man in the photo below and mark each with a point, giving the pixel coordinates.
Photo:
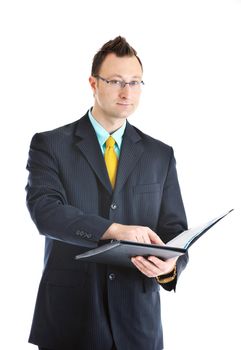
(85, 186)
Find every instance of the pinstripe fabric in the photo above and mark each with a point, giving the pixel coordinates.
(69, 196)
(40, 348)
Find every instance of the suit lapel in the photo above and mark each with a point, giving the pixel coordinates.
(131, 152)
(88, 144)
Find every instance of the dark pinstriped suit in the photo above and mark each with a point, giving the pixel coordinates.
(89, 306)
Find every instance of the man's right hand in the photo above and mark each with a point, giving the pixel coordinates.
(139, 234)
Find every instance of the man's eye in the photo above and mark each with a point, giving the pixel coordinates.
(134, 83)
(115, 82)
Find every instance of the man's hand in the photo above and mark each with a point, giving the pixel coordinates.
(151, 266)
(139, 234)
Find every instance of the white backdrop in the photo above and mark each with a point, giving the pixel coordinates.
(191, 52)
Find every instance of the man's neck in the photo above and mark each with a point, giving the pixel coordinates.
(108, 123)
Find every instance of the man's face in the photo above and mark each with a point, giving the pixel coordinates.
(116, 102)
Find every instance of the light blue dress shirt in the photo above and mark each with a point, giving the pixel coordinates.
(103, 135)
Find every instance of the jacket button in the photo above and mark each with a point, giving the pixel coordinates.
(79, 233)
(111, 276)
(113, 206)
(83, 234)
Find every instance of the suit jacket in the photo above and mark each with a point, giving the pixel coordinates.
(84, 305)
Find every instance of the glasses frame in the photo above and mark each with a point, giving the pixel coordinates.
(120, 83)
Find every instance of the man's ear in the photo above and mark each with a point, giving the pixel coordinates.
(93, 84)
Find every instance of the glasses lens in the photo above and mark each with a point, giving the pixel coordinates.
(115, 83)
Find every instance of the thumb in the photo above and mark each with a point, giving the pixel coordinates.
(155, 239)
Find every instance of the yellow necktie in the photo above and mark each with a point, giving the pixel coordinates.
(111, 160)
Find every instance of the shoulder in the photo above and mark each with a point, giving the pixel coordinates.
(152, 143)
(62, 131)
(63, 134)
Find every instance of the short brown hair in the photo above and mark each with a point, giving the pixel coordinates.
(119, 46)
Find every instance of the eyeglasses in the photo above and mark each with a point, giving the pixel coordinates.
(120, 84)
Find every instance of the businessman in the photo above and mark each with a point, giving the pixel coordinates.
(101, 178)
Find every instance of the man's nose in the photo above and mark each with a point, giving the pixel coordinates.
(125, 91)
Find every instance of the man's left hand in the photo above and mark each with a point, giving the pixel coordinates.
(153, 266)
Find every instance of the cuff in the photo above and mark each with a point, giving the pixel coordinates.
(168, 277)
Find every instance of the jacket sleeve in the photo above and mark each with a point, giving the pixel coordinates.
(172, 217)
(47, 200)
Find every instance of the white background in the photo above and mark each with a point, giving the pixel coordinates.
(191, 52)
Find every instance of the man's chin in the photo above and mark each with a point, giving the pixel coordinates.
(125, 114)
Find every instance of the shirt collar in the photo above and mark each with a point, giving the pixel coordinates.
(103, 135)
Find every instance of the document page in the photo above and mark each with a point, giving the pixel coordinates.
(188, 237)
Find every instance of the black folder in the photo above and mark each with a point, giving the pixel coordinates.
(120, 252)
(117, 252)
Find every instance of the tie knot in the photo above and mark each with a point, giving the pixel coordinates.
(110, 142)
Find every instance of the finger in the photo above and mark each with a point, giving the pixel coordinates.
(172, 260)
(139, 266)
(146, 267)
(146, 239)
(155, 239)
(160, 264)
(142, 238)
(156, 261)
(164, 266)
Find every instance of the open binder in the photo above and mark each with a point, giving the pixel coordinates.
(116, 252)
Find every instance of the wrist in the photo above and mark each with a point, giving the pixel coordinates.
(162, 279)
(111, 231)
